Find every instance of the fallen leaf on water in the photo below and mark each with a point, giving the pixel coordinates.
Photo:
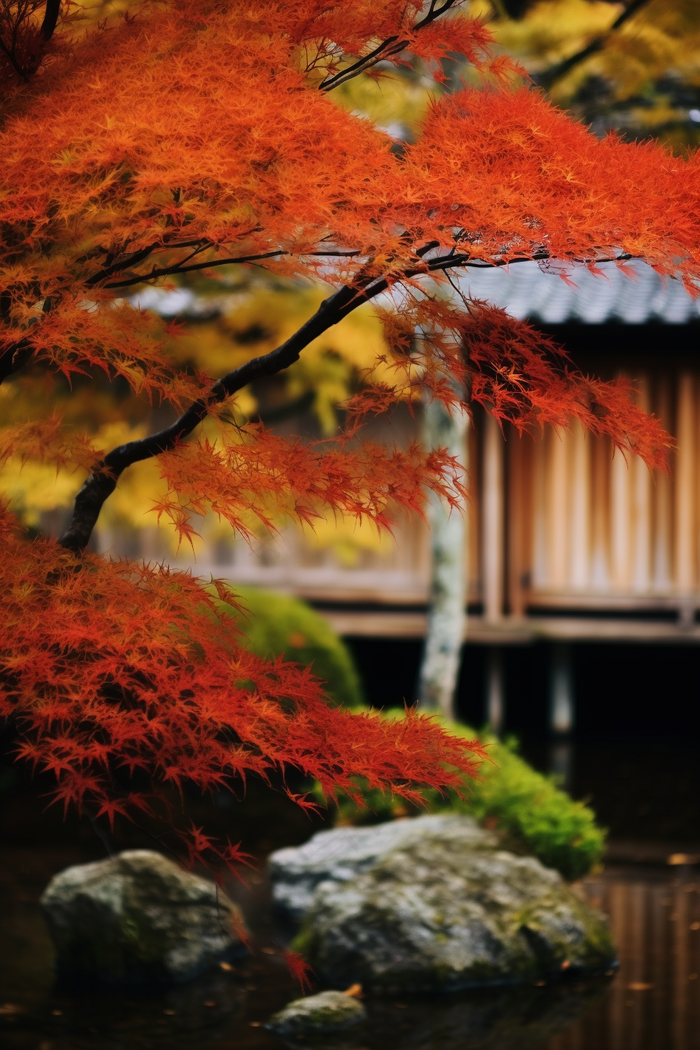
(639, 986)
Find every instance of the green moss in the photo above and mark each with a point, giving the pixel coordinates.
(528, 807)
(306, 940)
(275, 625)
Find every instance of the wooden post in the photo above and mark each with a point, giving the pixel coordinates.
(495, 689)
(561, 697)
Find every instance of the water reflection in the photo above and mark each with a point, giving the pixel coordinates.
(504, 1019)
(654, 1003)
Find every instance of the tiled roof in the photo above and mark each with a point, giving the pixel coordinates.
(526, 291)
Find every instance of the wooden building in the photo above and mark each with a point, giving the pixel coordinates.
(567, 542)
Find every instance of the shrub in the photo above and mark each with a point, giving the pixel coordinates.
(513, 798)
(275, 625)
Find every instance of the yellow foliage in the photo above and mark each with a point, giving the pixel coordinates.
(262, 317)
(347, 538)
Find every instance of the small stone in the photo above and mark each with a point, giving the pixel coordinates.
(321, 1014)
(138, 918)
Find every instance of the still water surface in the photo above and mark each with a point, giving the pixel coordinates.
(651, 1003)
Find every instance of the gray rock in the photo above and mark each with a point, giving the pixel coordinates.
(137, 919)
(322, 1014)
(341, 854)
(442, 909)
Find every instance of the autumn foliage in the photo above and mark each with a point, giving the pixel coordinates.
(165, 139)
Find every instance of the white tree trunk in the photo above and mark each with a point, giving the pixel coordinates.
(439, 670)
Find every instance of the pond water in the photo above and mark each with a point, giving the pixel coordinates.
(651, 1003)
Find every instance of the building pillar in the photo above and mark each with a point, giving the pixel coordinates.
(495, 689)
(561, 690)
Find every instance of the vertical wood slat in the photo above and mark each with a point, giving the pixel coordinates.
(556, 511)
(473, 559)
(580, 509)
(518, 522)
(661, 500)
(493, 519)
(600, 513)
(684, 502)
(641, 509)
(539, 520)
(620, 521)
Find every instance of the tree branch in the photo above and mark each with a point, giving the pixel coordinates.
(12, 359)
(103, 480)
(178, 268)
(550, 76)
(173, 271)
(51, 14)
(391, 46)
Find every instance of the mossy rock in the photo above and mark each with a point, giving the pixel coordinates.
(274, 625)
(138, 918)
(441, 909)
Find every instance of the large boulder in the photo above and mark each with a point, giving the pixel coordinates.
(439, 907)
(341, 854)
(138, 919)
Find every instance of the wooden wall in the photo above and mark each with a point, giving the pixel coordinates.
(588, 527)
(557, 522)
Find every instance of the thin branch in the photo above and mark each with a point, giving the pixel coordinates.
(14, 357)
(9, 54)
(379, 52)
(172, 271)
(391, 46)
(554, 73)
(125, 262)
(178, 268)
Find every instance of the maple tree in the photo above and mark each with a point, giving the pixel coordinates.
(178, 137)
